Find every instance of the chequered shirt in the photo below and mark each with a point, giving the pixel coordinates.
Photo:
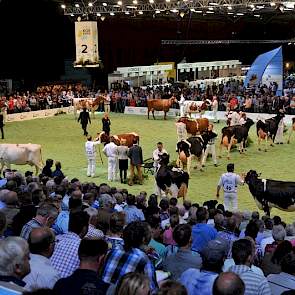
(28, 227)
(119, 262)
(65, 256)
(94, 233)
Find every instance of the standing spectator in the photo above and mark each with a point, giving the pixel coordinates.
(65, 256)
(201, 281)
(229, 182)
(43, 275)
(85, 279)
(202, 233)
(136, 160)
(131, 211)
(123, 160)
(91, 155)
(111, 152)
(84, 118)
(215, 109)
(45, 216)
(184, 259)
(243, 255)
(159, 151)
(57, 172)
(14, 264)
(107, 102)
(46, 171)
(119, 262)
(106, 123)
(228, 283)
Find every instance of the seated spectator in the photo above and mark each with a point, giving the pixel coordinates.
(173, 202)
(152, 207)
(14, 264)
(105, 210)
(119, 262)
(290, 233)
(285, 280)
(46, 171)
(45, 216)
(184, 259)
(246, 216)
(154, 222)
(57, 172)
(164, 206)
(65, 256)
(168, 233)
(278, 234)
(243, 255)
(172, 288)
(133, 283)
(93, 232)
(115, 232)
(267, 234)
(120, 204)
(271, 263)
(228, 283)
(85, 279)
(219, 221)
(202, 233)
(43, 275)
(131, 211)
(201, 281)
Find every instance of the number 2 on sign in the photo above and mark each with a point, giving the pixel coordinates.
(84, 48)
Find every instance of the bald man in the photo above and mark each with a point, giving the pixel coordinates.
(43, 275)
(228, 283)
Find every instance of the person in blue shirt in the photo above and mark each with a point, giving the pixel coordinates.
(57, 172)
(131, 211)
(202, 233)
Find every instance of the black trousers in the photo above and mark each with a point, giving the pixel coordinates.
(2, 132)
(84, 127)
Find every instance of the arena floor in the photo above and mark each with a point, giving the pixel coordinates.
(61, 139)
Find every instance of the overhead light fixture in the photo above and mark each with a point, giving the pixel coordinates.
(98, 14)
(213, 3)
(174, 10)
(289, 5)
(260, 6)
(104, 4)
(167, 1)
(289, 43)
(252, 5)
(210, 8)
(151, 1)
(79, 18)
(72, 15)
(257, 15)
(181, 14)
(230, 13)
(272, 4)
(229, 8)
(77, 5)
(158, 11)
(127, 12)
(140, 12)
(90, 4)
(210, 12)
(134, 2)
(120, 2)
(103, 18)
(112, 14)
(63, 6)
(131, 7)
(240, 14)
(198, 11)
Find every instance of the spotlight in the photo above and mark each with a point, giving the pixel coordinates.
(213, 3)
(104, 4)
(140, 12)
(151, 1)
(63, 6)
(103, 18)
(90, 4)
(120, 2)
(127, 12)
(229, 8)
(181, 14)
(167, 1)
(210, 8)
(272, 4)
(77, 5)
(72, 15)
(252, 5)
(257, 15)
(240, 14)
(98, 14)
(112, 14)
(174, 10)
(230, 13)
(158, 11)
(281, 8)
(210, 12)
(134, 2)
(289, 43)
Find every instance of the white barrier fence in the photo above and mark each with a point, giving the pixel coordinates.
(208, 114)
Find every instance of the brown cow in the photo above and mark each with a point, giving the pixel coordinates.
(129, 137)
(292, 129)
(194, 127)
(160, 105)
(88, 103)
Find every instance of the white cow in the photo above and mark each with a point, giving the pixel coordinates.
(192, 106)
(21, 154)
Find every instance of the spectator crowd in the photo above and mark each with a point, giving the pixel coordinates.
(61, 236)
(231, 95)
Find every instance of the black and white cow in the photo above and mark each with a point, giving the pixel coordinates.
(171, 181)
(270, 193)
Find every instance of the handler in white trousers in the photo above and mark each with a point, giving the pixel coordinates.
(215, 109)
(229, 182)
(91, 155)
(111, 151)
(181, 106)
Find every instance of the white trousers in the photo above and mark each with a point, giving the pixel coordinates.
(210, 149)
(231, 201)
(215, 116)
(91, 167)
(280, 135)
(107, 108)
(112, 168)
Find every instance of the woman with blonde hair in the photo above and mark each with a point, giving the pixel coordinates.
(123, 160)
(133, 283)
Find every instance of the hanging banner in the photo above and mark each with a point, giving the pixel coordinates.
(86, 44)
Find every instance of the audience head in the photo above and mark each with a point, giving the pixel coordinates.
(136, 234)
(278, 233)
(252, 229)
(130, 200)
(288, 264)
(14, 257)
(2, 223)
(172, 288)
(173, 202)
(174, 220)
(182, 235)
(281, 250)
(117, 222)
(41, 241)
(155, 223)
(78, 223)
(268, 223)
(242, 252)
(92, 212)
(133, 283)
(164, 204)
(277, 220)
(202, 215)
(47, 214)
(228, 283)
(255, 215)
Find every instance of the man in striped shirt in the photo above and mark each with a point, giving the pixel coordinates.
(243, 255)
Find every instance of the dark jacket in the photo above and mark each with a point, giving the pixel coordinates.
(135, 155)
(1, 120)
(84, 118)
(106, 123)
